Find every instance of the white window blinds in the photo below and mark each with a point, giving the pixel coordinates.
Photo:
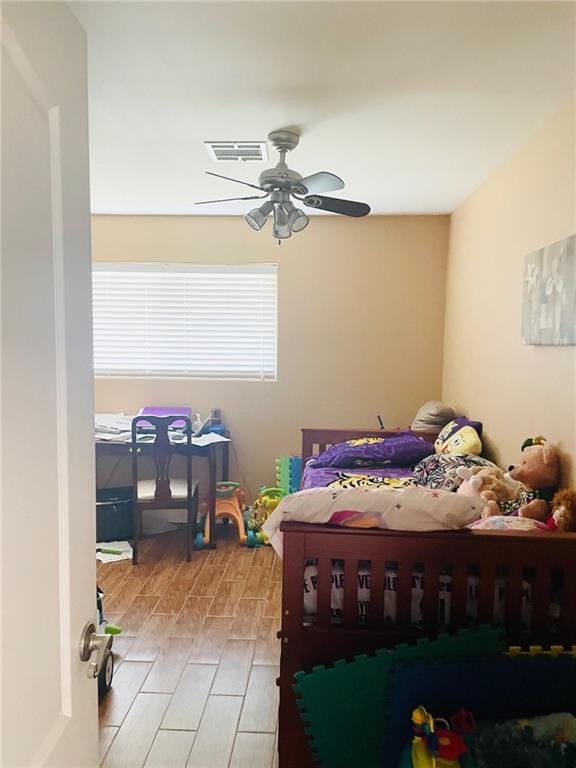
(185, 320)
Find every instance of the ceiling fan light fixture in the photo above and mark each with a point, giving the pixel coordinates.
(296, 218)
(281, 224)
(258, 216)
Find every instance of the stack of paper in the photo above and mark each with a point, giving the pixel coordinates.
(209, 438)
(113, 423)
(109, 437)
(123, 551)
(112, 427)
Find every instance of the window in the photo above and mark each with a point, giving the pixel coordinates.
(185, 320)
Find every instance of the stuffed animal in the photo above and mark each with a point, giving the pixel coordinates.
(490, 484)
(458, 437)
(563, 511)
(559, 727)
(538, 475)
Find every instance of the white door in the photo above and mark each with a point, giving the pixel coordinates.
(49, 706)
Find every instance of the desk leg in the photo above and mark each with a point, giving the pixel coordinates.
(212, 495)
(225, 460)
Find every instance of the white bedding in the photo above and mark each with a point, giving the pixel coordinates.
(410, 509)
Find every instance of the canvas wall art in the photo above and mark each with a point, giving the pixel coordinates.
(549, 295)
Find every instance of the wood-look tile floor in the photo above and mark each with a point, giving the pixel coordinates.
(196, 665)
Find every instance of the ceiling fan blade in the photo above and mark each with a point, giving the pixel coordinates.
(320, 182)
(230, 199)
(335, 205)
(228, 178)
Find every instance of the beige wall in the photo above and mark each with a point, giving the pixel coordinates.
(516, 390)
(361, 315)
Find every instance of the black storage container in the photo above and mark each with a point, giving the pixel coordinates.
(114, 514)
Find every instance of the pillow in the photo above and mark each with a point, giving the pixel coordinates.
(460, 436)
(440, 470)
(432, 416)
(400, 450)
(410, 509)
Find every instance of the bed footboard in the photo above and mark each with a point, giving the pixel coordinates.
(525, 582)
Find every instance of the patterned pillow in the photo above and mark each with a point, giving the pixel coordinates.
(401, 450)
(439, 470)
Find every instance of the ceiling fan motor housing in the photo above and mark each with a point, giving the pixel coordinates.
(280, 177)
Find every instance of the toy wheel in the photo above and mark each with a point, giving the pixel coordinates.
(199, 540)
(250, 539)
(106, 674)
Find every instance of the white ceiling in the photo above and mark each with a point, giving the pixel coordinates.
(413, 104)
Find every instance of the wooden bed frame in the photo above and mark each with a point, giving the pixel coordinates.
(548, 557)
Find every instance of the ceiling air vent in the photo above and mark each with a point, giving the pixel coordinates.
(234, 151)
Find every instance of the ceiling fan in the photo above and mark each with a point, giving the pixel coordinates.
(280, 184)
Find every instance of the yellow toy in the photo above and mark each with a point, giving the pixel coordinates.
(267, 501)
(264, 504)
(434, 747)
(458, 440)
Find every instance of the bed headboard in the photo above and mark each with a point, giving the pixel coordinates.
(314, 441)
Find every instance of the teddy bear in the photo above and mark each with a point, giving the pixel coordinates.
(488, 483)
(537, 475)
(563, 511)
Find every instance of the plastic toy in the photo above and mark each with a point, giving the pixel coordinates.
(109, 629)
(434, 747)
(106, 673)
(288, 473)
(268, 499)
(255, 537)
(264, 504)
(229, 504)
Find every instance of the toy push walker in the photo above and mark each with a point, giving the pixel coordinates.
(228, 506)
